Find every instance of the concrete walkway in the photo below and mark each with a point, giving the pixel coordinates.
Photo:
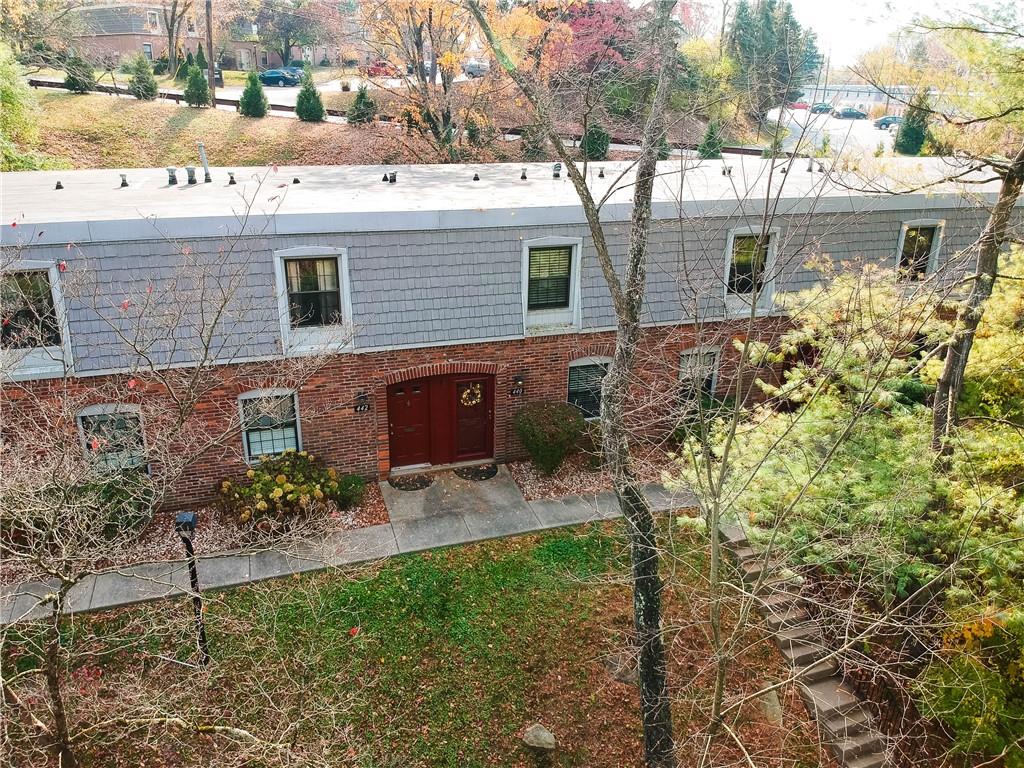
(451, 511)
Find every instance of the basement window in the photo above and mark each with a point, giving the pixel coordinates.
(585, 379)
(112, 436)
(270, 423)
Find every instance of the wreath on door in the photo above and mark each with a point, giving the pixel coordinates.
(472, 395)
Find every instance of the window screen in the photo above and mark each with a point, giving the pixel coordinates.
(585, 387)
(549, 278)
(746, 271)
(114, 440)
(313, 295)
(270, 425)
(916, 253)
(27, 316)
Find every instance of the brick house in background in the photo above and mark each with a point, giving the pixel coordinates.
(443, 300)
(123, 30)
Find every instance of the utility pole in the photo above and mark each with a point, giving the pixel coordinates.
(210, 65)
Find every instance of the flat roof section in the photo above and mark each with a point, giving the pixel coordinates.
(92, 206)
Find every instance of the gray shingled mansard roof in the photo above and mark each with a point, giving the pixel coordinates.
(93, 207)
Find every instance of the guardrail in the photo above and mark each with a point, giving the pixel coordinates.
(178, 98)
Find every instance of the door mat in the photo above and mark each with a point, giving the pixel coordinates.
(478, 472)
(411, 482)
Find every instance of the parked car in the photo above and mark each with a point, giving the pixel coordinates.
(796, 105)
(476, 67)
(279, 77)
(885, 122)
(299, 72)
(821, 108)
(849, 113)
(379, 68)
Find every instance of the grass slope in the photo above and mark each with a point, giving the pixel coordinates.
(437, 659)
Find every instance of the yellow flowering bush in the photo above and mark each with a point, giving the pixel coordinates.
(284, 487)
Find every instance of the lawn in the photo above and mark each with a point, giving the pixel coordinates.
(438, 659)
(101, 131)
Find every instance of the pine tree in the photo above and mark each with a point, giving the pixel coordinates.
(534, 143)
(254, 101)
(595, 142)
(79, 77)
(201, 61)
(197, 90)
(914, 129)
(142, 84)
(363, 108)
(190, 61)
(710, 147)
(308, 105)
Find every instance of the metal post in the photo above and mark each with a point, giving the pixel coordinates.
(197, 603)
(185, 527)
(210, 66)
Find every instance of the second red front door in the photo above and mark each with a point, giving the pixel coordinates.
(441, 420)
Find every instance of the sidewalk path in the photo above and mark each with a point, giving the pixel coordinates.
(451, 511)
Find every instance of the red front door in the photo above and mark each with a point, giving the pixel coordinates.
(474, 416)
(441, 420)
(409, 422)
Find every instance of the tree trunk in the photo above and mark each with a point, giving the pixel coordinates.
(950, 385)
(61, 744)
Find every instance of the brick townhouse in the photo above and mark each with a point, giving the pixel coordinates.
(437, 299)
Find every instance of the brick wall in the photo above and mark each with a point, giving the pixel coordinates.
(358, 442)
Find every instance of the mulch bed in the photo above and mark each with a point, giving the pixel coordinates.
(478, 472)
(578, 475)
(214, 534)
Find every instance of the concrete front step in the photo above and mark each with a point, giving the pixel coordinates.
(732, 535)
(807, 633)
(827, 698)
(778, 599)
(854, 722)
(869, 760)
(846, 749)
(742, 554)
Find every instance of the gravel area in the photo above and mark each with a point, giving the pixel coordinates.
(578, 477)
(215, 534)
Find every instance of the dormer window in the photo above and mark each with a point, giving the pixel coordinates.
(28, 318)
(918, 248)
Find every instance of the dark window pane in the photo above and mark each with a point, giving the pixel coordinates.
(114, 439)
(270, 425)
(585, 387)
(313, 294)
(917, 250)
(697, 374)
(27, 316)
(548, 284)
(746, 272)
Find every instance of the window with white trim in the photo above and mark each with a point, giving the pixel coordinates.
(112, 436)
(551, 282)
(147, 51)
(153, 19)
(28, 317)
(585, 379)
(748, 263)
(313, 299)
(698, 373)
(270, 424)
(919, 242)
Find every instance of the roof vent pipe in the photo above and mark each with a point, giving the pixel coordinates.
(172, 176)
(295, 180)
(205, 162)
(522, 176)
(392, 177)
(191, 171)
(231, 178)
(476, 177)
(385, 179)
(600, 173)
(124, 179)
(59, 186)
(810, 165)
(556, 171)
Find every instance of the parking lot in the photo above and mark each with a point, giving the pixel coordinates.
(808, 132)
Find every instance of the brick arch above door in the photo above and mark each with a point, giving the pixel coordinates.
(439, 369)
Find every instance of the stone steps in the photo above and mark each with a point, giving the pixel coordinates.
(845, 723)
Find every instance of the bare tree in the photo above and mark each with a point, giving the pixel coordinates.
(174, 13)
